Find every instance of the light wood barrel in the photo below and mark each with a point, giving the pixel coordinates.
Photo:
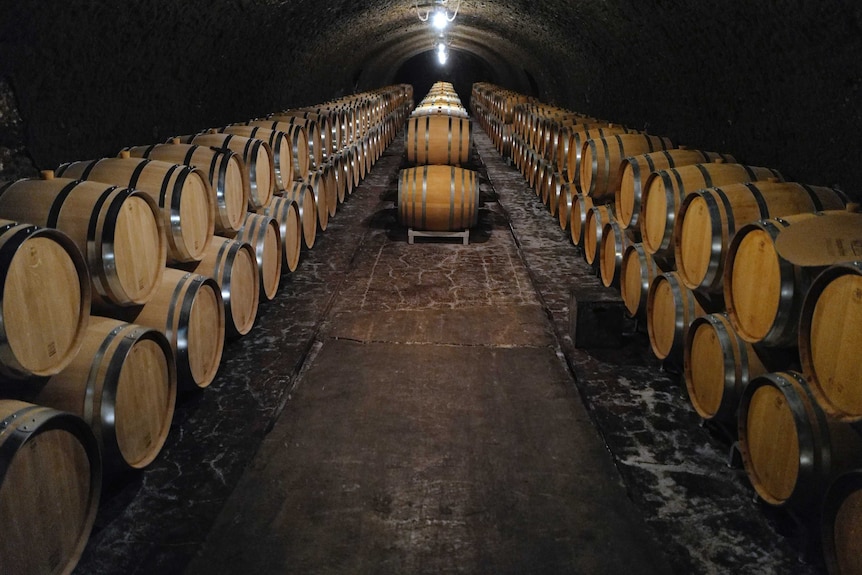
(596, 218)
(325, 192)
(257, 158)
(44, 300)
(50, 482)
(564, 204)
(303, 194)
(601, 159)
(119, 230)
(233, 265)
(189, 310)
(298, 137)
(123, 383)
(790, 449)
(708, 220)
(286, 213)
(438, 140)
(226, 174)
(280, 144)
(763, 289)
(671, 308)
(718, 366)
(575, 147)
(637, 271)
(665, 190)
(438, 198)
(615, 240)
(323, 128)
(634, 171)
(314, 136)
(841, 524)
(581, 206)
(263, 233)
(183, 193)
(830, 329)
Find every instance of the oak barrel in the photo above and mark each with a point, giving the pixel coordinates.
(264, 235)
(188, 309)
(708, 220)
(614, 242)
(123, 383)
(594, 226)
(297, 135)
(233, 265)
(665, 190)
(438, 198)
(438, 140)
(575, 148)
(119, 231)
(182, 192)
(601, 159)
(718, 365)
(790, 450)
(637, 271)
(257, 159)
(830, 329)
(303, 194)
(581, 206)
(280, 144)
(286, 213)
(841, 524)
(671, 309)
(635, 170)
(44, 300)
(50, 482)
(226, 174)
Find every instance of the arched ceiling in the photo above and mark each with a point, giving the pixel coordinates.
(776, 84)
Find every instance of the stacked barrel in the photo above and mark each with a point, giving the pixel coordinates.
(122, 279)
(438, 194)
(749, 284)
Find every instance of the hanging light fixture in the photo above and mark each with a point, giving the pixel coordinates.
(438, 13)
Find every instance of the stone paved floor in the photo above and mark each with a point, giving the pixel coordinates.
(675, 472)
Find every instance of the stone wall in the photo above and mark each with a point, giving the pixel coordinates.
(777, 84)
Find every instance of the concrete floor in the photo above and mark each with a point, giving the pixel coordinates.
(421, 409)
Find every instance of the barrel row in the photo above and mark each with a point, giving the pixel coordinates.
(122, 288)
(439, 130)
(751, 284)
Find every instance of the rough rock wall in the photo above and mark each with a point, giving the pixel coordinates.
(777, 84)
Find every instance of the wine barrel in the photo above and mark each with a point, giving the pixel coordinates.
(438, 198)
(764, 287)
(264, 234)
(438, 140)
(286, 213)
(564, 204)
(313, 141)
(280, 144)
(189, 310)
(790, 450)
(614, 242)
(257, 158)
(303, 194)
(575, 149)
(718, 365)
(182, 192)
(634, 171)
(325, 192)
(50, 482)
(637, 271)
(596, 218)
(841, 517)
(671, 309)
(119, 230)
(601, 159)
(123, 383)
(708, 220)
(233, 265)
(665, 190)
(581, 205)
(324, 129)
(227, 176)
(298, 137)
(830, 329)
(339, 175)
(44, 300)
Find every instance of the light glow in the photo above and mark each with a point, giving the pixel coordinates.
(439, 20)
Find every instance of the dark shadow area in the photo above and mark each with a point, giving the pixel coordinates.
(462, 69)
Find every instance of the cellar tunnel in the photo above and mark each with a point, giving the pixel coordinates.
(532, 455)
(778, 83)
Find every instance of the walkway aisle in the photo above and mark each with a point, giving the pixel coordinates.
(434, 430)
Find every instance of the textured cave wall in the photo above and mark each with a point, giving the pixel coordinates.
(777, 83)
